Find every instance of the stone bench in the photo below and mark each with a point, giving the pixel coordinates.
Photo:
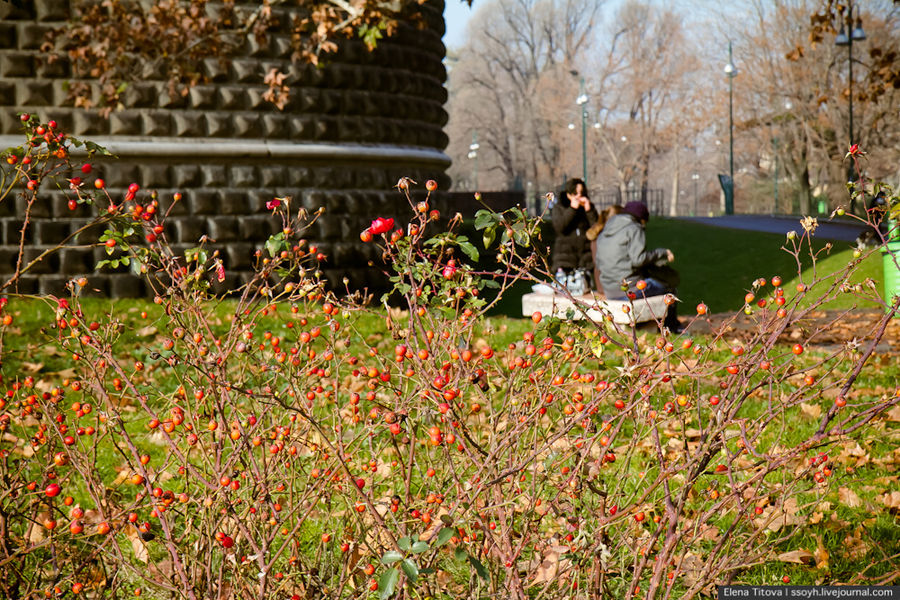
(596, 307)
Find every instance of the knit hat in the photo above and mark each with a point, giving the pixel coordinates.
(638, 210)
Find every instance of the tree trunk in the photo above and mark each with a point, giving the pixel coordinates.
(805, 192)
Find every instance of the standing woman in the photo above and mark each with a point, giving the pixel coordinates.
(572, 216)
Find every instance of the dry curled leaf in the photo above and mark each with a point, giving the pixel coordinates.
(776, 517)
(854, 545)
(893, 414)
(892, 501)
(854, 456)
(550, 565)
(30, 368)
(137, 544)
(146, 331)
(848, 498)
(803, 557)
(821, 554)
(813, 411)
(66, 373)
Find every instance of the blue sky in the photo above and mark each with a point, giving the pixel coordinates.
(456, 15)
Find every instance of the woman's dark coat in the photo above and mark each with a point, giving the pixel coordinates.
(571, 250)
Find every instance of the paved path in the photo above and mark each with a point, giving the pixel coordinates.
(842, 327)
(828, 230)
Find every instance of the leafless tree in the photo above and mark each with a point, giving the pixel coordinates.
(658, 100)
(508, 84)
(517, 79)
(794, 95)
(647, 89)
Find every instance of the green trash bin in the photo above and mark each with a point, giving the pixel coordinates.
(889, 255)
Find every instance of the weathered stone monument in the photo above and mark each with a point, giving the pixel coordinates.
(353, 126)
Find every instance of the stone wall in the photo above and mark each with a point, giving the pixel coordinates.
(352, 128)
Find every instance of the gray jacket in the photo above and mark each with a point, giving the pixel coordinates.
(622, 253)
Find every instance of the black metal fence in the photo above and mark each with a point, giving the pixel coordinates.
(465, 203)
(654, 199)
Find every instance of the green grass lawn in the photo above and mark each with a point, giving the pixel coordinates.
(718, 265)
(865, 524)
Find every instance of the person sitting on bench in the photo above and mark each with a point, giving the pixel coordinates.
(623, 260)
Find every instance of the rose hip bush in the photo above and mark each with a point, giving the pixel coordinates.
(273, 445)
(45, 159)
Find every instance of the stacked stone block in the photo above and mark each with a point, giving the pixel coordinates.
(352, 128)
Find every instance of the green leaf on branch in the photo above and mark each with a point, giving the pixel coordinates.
(479, 568)
(489, 236)
(522, 238)
(370, 35)
(485, 218)
(444, 536)
(387, 582)
(405, 543)
(195, 254)
(274, 244)
(410, 568)
(467, 247)
(391, 556)
(419, 547)
(551, 458)
(93, 148)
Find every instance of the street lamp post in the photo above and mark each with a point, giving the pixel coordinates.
(695, 177)
(473, 156)
(582, 102)
(730, 71)
(857, 34)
